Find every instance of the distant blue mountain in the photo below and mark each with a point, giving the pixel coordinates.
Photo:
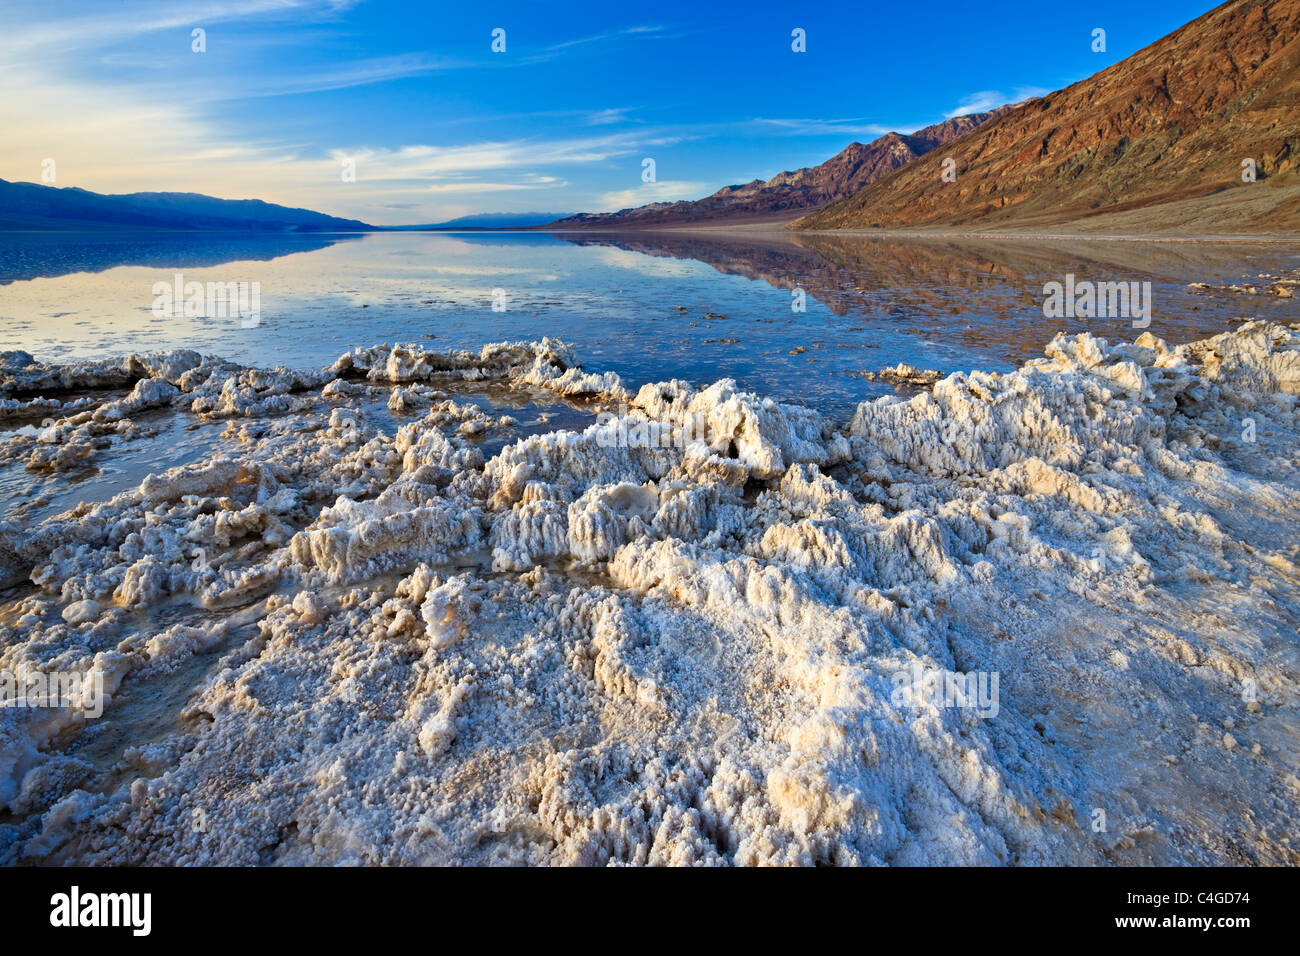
(33, 206)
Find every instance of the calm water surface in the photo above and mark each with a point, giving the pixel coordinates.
(648, 306)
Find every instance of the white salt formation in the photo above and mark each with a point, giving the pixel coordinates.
(345, 643)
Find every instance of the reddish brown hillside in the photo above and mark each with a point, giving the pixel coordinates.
(1169, 124)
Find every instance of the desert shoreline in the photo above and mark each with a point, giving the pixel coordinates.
(766, 231)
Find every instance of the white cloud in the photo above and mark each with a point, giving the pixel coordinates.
(666, 191)
(353, 73)
(986, 100)
(452, 162)
(107, 25)
(831, 127)
(650, 31)
(545, 182)
(607, 117)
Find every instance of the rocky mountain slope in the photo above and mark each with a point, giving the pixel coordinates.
(789, 193)
(1171, 124)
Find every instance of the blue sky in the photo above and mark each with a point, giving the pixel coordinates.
(438, 125)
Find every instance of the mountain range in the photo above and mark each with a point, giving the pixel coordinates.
(35, 206)
(790, 193)
(1158, 142)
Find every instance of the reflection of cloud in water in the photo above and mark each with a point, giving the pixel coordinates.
(645, 264)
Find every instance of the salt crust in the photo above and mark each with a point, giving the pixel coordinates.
(586, 651)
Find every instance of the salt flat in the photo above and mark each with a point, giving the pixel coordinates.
(339, 638)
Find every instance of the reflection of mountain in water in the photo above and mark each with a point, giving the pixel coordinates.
(952, 287)
(775, 260)
(949, 260)
(36, 255)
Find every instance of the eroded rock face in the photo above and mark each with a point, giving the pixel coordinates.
(1135, 136)
(710, 647)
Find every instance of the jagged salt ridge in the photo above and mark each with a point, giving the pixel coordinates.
(597, 648)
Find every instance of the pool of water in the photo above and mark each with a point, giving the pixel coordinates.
(698, 306)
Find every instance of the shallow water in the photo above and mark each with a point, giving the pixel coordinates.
(175, 437)
(648, 306)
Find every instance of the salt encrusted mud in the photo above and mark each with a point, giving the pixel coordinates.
(672, 637)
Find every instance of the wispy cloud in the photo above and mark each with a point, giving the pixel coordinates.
(349, 74)
(666, 191)
(607, 117)
(986, 100)
(646, 31)
(829, 127)
(109, 25)
(541, 182)
(451, 162)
